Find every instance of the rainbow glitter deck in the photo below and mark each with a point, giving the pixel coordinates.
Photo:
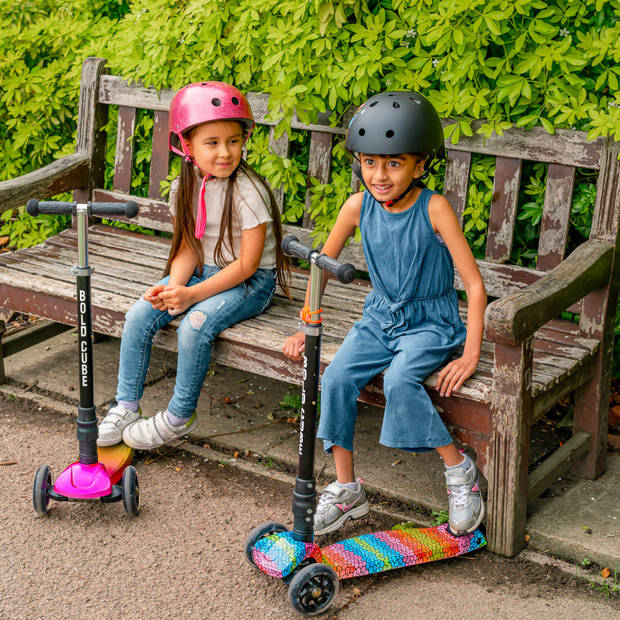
(279, 554)
(381, 551)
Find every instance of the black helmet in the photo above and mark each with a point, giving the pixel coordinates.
(396, 122)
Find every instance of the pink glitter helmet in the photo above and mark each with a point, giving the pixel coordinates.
(202, 102)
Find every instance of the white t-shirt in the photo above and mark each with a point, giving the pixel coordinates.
(251, 204)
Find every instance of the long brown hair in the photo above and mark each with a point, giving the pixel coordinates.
(185, 222)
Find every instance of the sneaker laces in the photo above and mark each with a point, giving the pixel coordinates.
(459, 494)
(325, 500)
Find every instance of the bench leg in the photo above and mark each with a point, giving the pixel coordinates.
(2, 373)
(592, 399)
(511, 412)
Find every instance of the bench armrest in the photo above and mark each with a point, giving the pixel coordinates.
(514, 318)
(67, 173)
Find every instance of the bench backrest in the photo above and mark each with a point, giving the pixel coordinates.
(563, 152)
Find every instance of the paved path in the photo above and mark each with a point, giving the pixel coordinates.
(183, 556)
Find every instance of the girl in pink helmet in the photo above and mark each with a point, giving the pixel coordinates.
(223, 266)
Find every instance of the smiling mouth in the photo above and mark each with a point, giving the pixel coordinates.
(382, 189)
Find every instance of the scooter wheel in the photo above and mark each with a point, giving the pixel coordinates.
(260, 531)
(313, 589)
(41, 489)
(130, 491)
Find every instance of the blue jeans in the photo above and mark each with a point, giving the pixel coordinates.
(198, 329)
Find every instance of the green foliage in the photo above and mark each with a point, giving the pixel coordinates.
(25, 231)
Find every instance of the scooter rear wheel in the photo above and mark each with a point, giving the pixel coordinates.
(260, 531)
(131, 491)
(313, 589)
(41, 489)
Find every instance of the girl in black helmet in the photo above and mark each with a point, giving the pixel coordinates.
(410, 324)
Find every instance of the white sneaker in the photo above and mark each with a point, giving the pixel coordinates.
(111, 427)
(148, 433)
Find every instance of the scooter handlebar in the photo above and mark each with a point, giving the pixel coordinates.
(345, 272)
(36, 207)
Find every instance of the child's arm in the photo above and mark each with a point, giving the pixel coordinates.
(179, 297)
(445, 222)
(346, 222)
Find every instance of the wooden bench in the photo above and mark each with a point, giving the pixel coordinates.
(530, 358)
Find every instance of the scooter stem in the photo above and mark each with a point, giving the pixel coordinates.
(87, 419)
(304, 494)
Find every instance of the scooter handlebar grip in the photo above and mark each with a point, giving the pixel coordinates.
(345, 272)
(292, 246)
(128, 209)
(35, 207)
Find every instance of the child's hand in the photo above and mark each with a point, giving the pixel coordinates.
(177, 298)
(294, 345)
(152, 296)
(452, 376)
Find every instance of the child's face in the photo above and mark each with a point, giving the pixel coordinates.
(216, 147)
(388, 176)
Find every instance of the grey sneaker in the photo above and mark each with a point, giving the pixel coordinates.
(149, 433)
(466, 508)
(337, 505)
(111, 427)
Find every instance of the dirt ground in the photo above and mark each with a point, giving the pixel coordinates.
(183, 556)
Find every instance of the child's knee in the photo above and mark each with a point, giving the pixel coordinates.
(194, 328)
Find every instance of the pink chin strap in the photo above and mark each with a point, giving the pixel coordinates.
(201, 211)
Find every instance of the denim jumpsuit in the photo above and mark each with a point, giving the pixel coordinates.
(410, 325)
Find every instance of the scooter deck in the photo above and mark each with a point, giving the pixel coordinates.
(115, 459)
(382, 551)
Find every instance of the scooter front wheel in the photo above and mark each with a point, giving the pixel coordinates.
(313, 589)
(260, 531)
(131, 491)
(41, 489)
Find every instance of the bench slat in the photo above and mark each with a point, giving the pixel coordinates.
(456, 180)
(160, 157)
(503, 209)
(556, 216)
(123, 161)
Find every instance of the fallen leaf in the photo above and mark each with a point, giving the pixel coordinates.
(4, 240)
(357, 591)
(227, 400)
(236, 455)
(270, 416)
(605, 573)
(206, 445)
(527, 538)
(178, 468)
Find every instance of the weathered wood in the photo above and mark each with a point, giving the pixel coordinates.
(14, 343)
(514, 318)
(123, 161)
(152, 213)
(319, 165)
(456, 180)
(511, 408)
(556, 216)
(65, 174)
(92, 116)
(557, 464)
(160, 154)
(280, 148)
(503, 209)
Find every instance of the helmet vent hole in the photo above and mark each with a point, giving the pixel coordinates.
(235, 101)
(373, 104)
(216, 102)
(362, 131)
(396, 104)
(389, 133)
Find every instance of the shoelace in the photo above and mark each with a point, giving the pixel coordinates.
(324, 500)
(459, 494)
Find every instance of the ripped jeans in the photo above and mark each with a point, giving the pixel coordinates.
(198, 329)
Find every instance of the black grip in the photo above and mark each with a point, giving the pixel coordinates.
(345, 272)
(35, 207)
(128, 209)
(292, 246)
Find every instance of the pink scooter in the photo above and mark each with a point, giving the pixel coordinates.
(88, 478)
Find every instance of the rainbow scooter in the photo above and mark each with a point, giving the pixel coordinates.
(89, 478)
(312, 573)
